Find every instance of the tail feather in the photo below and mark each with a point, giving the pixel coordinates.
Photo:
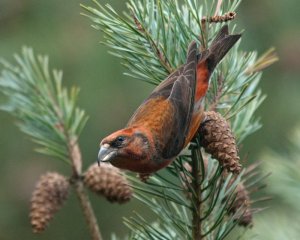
(222, 43)
(224, 31)
(219, 49)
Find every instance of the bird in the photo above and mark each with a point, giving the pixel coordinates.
(166, 122)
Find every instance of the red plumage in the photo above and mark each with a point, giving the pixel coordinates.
(169, 118)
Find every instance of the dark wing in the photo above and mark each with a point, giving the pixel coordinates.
(182, 99)
(221, 44)
(164, 89)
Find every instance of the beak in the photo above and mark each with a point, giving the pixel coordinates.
(106, 153)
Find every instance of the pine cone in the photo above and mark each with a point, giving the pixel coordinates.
(108, 181)
(218, 140)
(242, 201)
(48, 197)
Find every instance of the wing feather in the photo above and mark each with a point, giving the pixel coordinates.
(168, 110)
(182, 98)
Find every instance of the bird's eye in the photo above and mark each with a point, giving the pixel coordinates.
(118, 141)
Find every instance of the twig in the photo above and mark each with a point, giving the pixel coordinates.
(76, 180)
(218, 7)
(267, 59)
(75, 156)
(88, 212)
(222, 18)
(196, 173)
(213, 19)
(162, 58)
(219, 18)
(203, 37)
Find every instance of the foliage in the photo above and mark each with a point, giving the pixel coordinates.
(285, 179)
(281, 222)
(171, 194)
(46, 111)
(159, 33)
(151, 40)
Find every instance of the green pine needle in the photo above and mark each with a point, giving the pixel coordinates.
(151, 39)
(45, 110)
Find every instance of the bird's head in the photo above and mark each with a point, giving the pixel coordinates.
(126, 149)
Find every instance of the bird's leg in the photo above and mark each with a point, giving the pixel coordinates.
(144, 176)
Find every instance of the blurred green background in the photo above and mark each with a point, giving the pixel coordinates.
(56, 28)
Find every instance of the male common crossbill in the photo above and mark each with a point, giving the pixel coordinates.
(169, 118)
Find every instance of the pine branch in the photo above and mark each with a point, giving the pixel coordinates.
(47, 112)
(220, 207)
(159, 33)
(151, 41)
(196, 170)
(87, 210)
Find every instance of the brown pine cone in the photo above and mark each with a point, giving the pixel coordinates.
(108, 181)
(218, 140)
(242, 202)
(48, 197)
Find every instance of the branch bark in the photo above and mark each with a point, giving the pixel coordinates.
(88, 212)
(196, 172)
(162, 58)
(87, 209)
